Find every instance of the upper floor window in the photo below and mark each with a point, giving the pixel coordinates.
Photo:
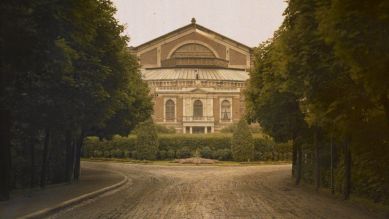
(225, 110)
(170, 109)
(197, 109)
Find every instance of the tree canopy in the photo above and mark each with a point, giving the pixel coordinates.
(66, 73)
(320, 81)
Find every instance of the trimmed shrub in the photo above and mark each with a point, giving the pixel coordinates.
(170, 154)
(126, 154)
(147, 141)
(97, 153)
(218, 144)
(165, 130)
(206, 152)
(159, 128)
(162, 155)
(107, 154)
(134, 155)
(242, 146)
(184, 152)
(222, 154)
(117, 153)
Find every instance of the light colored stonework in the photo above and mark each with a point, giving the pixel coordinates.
(202, 72)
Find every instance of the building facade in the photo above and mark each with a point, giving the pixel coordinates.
(196, 77)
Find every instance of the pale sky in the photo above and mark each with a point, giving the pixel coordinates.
(246, 21)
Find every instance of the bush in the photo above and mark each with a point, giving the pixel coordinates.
(147, 141)
(184, 152)
(126, 154)
(162, 155)
(242, 146)
(97, 153)
(134, 155)
(170, 154)
(107, 154)
(254, 128)
(222, 154)
(206, 152)
(159, 128)
(165, 130)
(117, 153)
(213, 146)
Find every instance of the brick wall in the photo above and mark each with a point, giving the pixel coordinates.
(179, 108)
(216, 109)
(158, 109)
(237, 58)
(236, 109)
(149, 58)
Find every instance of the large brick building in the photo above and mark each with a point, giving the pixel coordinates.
(196, 77)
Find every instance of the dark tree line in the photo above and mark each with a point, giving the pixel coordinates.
(66, 73)
(322, 82)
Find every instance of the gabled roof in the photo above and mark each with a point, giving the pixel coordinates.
(187, 27)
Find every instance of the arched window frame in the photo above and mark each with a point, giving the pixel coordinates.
(165, 113)
(222, 119)
(198, 109)
(193, 42)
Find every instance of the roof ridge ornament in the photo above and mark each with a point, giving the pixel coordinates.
(193, 21)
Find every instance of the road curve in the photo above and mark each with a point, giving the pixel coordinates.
(209, 192)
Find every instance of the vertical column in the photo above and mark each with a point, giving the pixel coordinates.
(184, 129)
(212, 129)
(190, 130)
(206, 129)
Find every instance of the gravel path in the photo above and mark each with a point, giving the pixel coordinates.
(209, 192)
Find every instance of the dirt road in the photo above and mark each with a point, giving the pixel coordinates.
(209, 192)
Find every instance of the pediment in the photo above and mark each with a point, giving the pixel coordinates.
(199, 44)
(187, 30)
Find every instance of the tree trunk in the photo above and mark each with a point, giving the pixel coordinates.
(5, 153)
(44, 158)
(317, 160)
(332, 165)
(69, 144)
(385, 104)
(347, 170)
(78, 156)
(32, 164)
(299, 163)
(294, 158)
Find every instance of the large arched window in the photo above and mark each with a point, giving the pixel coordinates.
(226, 110)
(197, 109)
(170, 109)
(193, 50)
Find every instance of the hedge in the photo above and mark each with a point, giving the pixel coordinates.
(172, 146)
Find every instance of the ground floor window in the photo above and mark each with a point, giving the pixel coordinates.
(198, 130)
(226, 110)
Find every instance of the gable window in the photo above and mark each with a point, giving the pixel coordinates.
(170, 110)
(226, 110)
(197, 109)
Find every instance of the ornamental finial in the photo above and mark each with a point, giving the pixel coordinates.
(193, 20)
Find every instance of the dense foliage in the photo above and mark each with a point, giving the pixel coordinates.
(242, 145)
(147, 141)
(322, 83)
(171, 146)
(66, 73)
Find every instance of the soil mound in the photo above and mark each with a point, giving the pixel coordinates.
(195, 160)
